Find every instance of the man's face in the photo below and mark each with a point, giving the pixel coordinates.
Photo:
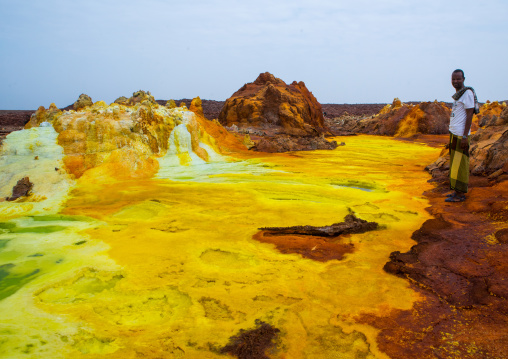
(457, 80)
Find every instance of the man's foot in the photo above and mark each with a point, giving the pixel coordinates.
(451, 194)
(456, 197)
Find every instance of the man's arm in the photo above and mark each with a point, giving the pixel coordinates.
(469, 120)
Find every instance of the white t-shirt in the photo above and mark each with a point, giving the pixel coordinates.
(458, 116)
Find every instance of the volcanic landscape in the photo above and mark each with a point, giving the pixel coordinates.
(264, 226)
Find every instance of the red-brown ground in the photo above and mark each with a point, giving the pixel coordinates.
(460, 266)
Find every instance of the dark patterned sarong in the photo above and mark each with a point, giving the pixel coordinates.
(459, 164)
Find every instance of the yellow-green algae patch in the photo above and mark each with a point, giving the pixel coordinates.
(183, 274)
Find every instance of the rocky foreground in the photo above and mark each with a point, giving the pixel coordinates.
(460, 261)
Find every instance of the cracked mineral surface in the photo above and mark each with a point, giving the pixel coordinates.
(137, 238)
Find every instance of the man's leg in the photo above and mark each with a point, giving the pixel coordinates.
(459, 169)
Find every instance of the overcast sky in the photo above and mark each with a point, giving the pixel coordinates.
(345, 51)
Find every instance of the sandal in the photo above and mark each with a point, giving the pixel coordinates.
(455, 198)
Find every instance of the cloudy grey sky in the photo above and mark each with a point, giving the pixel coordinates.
(361, 51)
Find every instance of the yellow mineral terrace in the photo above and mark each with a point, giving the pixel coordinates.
(137, 239)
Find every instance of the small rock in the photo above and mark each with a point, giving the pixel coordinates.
(83, 101)
(21, 189)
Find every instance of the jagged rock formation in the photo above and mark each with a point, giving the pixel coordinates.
(82, 102)
(488, 153)
(280, 113)
(137, 97)
(400, 120)
(196, 106)
(43, 115)
(490, 113)
(140, 97)
(122, 100)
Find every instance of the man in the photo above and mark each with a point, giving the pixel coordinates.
(460, 130)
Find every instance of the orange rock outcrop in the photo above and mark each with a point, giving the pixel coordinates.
(490, 112)
(278, 112)
(271, 105)
(43, 115)
(401, 120)
(488, 153)
(197, 107)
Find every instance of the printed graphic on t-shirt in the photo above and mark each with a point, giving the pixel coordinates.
(458, 115)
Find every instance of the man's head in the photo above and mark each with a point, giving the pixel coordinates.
(458, 79)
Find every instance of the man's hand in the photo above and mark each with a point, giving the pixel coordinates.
(464, 144)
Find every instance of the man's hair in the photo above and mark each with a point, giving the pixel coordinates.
(459, 70)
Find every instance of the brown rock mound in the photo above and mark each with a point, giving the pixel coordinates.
(270, 108)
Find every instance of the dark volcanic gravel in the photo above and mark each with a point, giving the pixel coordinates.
(331, 110)
(13, 120)
(14, 117)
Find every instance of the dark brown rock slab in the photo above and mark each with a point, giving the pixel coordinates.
(351, 224)
(321, 244)
(21, 189)
(252, 343)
